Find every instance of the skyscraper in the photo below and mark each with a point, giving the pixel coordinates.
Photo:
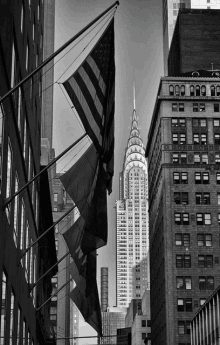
(170, 13)
(132, 221)
(183, 153)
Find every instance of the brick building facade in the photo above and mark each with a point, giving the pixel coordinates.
(183, 154)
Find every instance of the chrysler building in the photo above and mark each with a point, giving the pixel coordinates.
(132, 221)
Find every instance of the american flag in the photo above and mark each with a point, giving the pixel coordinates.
(92, 90)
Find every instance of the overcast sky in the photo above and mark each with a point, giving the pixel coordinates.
(138, 49)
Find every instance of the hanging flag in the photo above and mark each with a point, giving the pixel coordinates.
(85, 294)
(80, 180)
(84, 183)
(92, 91)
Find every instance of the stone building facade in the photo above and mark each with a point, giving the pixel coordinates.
(183, 154)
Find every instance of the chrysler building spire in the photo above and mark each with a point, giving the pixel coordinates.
(134, 95)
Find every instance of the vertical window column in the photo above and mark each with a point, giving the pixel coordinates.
(3, 309)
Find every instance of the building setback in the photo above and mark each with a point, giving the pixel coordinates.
(28, 215)
(183, 154)
(132, 221)
(170, 11)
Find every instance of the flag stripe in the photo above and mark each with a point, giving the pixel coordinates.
(83, 108)
(97, 82)
(92, 90)
(89, 100)
(96, 71)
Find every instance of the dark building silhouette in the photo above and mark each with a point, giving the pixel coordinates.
(196, 42)
(30, 213)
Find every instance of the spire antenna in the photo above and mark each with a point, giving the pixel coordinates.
(134, 95)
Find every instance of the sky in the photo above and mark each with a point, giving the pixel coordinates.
(139, 60)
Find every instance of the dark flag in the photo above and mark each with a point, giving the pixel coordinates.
(84, 183)
(92, 91)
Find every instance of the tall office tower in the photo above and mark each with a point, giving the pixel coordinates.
(28, 215)
(170, 13)
(132, 221)
(64, 314)
(112, 319)
(183, 153)
(104, 288)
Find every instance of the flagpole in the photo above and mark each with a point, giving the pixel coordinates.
(9, 200)
(55, 293)
(58, 51)
(45, 232)
(32, 286)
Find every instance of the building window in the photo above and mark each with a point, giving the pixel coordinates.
(24, 332)
(22, 18)
(192, 92)
(197, 90)
(212, 88)
(171, 90)
(206, 283)
(180, 178)
(183, 261)
(217, 138)
(22, 225)
(9, 170)
(16, 214)
(201, 178)
(203, 198)
(181, 198)
(181, 107)
(13, 65)
(3, 308)
(179, 138)
(181, 327)
(184, 304)
(218, 90)
(27, 57)
(199, 122)
(178, 122)
(182, 90)
(174, 107)
(183, 283)
(181, 218)
(203, 218)
(143, 323)
(218, 178)
(218, 198)
(55, 197)
(217, 158)
(204, 240)
(203, 90)
(178, 107)
(182, 240)
(216, 107)
(12, 318)
(177, 90)
(199, 138)
(205, 261)
(18, 326)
